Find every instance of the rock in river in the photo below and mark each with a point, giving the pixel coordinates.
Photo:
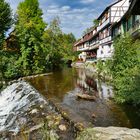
(109, 133)
(86, 97)
(62, 127)
(34, 111)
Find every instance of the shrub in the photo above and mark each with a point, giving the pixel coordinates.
(125, 70)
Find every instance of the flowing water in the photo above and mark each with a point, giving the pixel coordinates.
(62, 87)
(20, 105)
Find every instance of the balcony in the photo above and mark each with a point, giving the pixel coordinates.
(91, 58)
(94, 45)
(105, 40)
(103, 24)
(83, 48)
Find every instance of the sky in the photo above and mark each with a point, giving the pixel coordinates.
(75, 15)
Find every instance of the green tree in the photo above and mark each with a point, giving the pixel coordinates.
(59, 45)
(52, 40)
(29, 29)
(96, 22)
(125, 70)
(5, 23)
(67, 47)
(5, 19)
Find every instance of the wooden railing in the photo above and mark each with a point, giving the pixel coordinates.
(106, 39)
(103, 25)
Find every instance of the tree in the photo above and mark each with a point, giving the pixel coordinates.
(58, 44)
(125, 70)
(96, 22)
(67, 43)
(5, 19)
(5, 24)
(29, 29)
(52, 40)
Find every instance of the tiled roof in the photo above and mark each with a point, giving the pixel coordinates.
(86, 38)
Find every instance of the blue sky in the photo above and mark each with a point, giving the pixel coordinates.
(75, 15)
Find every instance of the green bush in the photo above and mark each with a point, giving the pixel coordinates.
(125, 70)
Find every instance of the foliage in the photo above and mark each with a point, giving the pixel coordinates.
(96, 22)
(67, 50)
(32, 48)
(59, 45)
(104, 68)
(125, 70)
(5, 19)
(52, 38)
(8, 66)
(5, 24)
(99, 67)
(29, 29)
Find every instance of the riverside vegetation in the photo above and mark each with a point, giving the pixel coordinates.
(35, 46)
(124, 69)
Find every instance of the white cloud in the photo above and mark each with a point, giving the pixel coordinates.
(74, 20)
(87, 1)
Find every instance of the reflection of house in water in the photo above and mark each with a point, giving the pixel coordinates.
(86, 83)
(89, 85)
(104, 90)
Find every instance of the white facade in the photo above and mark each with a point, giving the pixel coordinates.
(118, 10)
(113, 14)
(102, 41)
(82, 56)
(105, 52)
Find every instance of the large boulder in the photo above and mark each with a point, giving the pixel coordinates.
(109, 133)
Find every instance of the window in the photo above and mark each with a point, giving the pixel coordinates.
(102, 52)
(129, 24)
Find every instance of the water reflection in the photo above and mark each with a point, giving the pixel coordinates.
(62, 86)
(91, 86)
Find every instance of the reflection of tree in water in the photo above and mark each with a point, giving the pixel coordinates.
(86, 83)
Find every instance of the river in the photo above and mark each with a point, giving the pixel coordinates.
(62, 86)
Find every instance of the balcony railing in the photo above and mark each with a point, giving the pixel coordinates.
(83, 49)
(94, 45)
(91, 57)
(103, 24)
(105, 40)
